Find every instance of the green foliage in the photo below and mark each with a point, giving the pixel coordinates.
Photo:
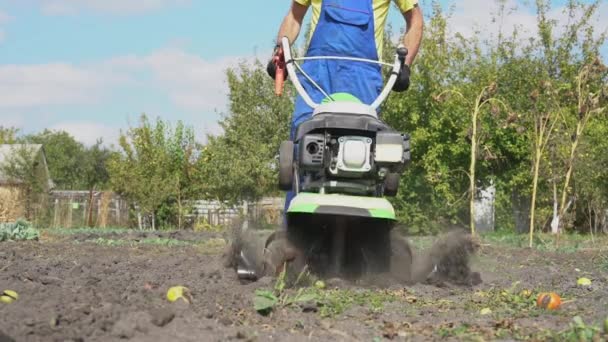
(64, 157)
(18, 231)
(579, 331)
(95, 231)
(241, 163)
(72, 165)
(20, 166)
(8, 135)
(534, 77)
(568, 243)
(157, 169)
(265, 301)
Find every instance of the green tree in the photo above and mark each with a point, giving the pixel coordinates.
(94, 171)
(240, 164)
(64, 155)
(155, 168)
(8, 135)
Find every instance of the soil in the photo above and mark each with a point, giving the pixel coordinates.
(72, 289)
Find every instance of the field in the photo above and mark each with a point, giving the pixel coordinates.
(110, 285)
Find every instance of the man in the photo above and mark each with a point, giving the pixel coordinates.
(348, 28)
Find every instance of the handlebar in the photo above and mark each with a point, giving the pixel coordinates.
(288, 62)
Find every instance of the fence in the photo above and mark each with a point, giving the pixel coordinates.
(72, 209)
(266, 211)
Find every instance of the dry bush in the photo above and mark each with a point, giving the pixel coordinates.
(11, 204)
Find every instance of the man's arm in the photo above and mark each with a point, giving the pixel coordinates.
(413, 34)
(292, 22)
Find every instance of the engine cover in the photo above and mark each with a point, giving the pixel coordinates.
(354, 157)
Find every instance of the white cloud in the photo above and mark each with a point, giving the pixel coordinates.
(27, 86)
(476, 18)
(89, 132)
(191, 82)
(69, 7)
(39, 94)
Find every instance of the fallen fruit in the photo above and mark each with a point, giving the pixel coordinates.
(525, 293)
(319, 284)
(485, 311)
(549, 301)
(8, 296)
(178, 292)
(583, 282)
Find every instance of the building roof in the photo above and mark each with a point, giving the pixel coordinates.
(8, 151)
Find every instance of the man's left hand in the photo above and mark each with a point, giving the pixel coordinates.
(271, 67)
(403, 79)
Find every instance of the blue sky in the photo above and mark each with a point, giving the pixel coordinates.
(92, 66)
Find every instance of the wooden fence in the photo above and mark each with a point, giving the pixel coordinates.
(73, 209)
(266, 211)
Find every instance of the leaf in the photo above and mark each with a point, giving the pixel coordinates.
(578, 321)
(306, 297)
(264, 300)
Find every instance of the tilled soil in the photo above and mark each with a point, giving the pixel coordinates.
(73, 290)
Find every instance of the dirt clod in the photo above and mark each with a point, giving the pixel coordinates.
(162, 317)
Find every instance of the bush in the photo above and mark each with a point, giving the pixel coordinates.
(18, 231)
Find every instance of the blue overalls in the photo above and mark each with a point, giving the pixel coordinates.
(345, 28)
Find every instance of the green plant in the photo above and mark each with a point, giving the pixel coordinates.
(579, 331)
(266, 300)
(18, 231)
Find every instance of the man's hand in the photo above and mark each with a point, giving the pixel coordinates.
(290, 28)
(271, 68)
(403, 79)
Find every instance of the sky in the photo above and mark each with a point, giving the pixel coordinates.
(92, 67)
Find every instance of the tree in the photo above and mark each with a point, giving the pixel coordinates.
(240, 164)
(64, 155)
(8, 135)
(155, 168)
(94, 171)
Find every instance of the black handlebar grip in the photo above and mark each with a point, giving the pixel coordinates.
(402, 52)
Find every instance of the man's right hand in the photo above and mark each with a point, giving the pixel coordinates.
(403, 79)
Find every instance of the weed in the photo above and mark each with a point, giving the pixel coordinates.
(576, 331)
(603, 262)
(331, 302)
(451, 331)
(569, 243)
(501, 302)
(149, 241)
(95, 231)
(267, 300)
